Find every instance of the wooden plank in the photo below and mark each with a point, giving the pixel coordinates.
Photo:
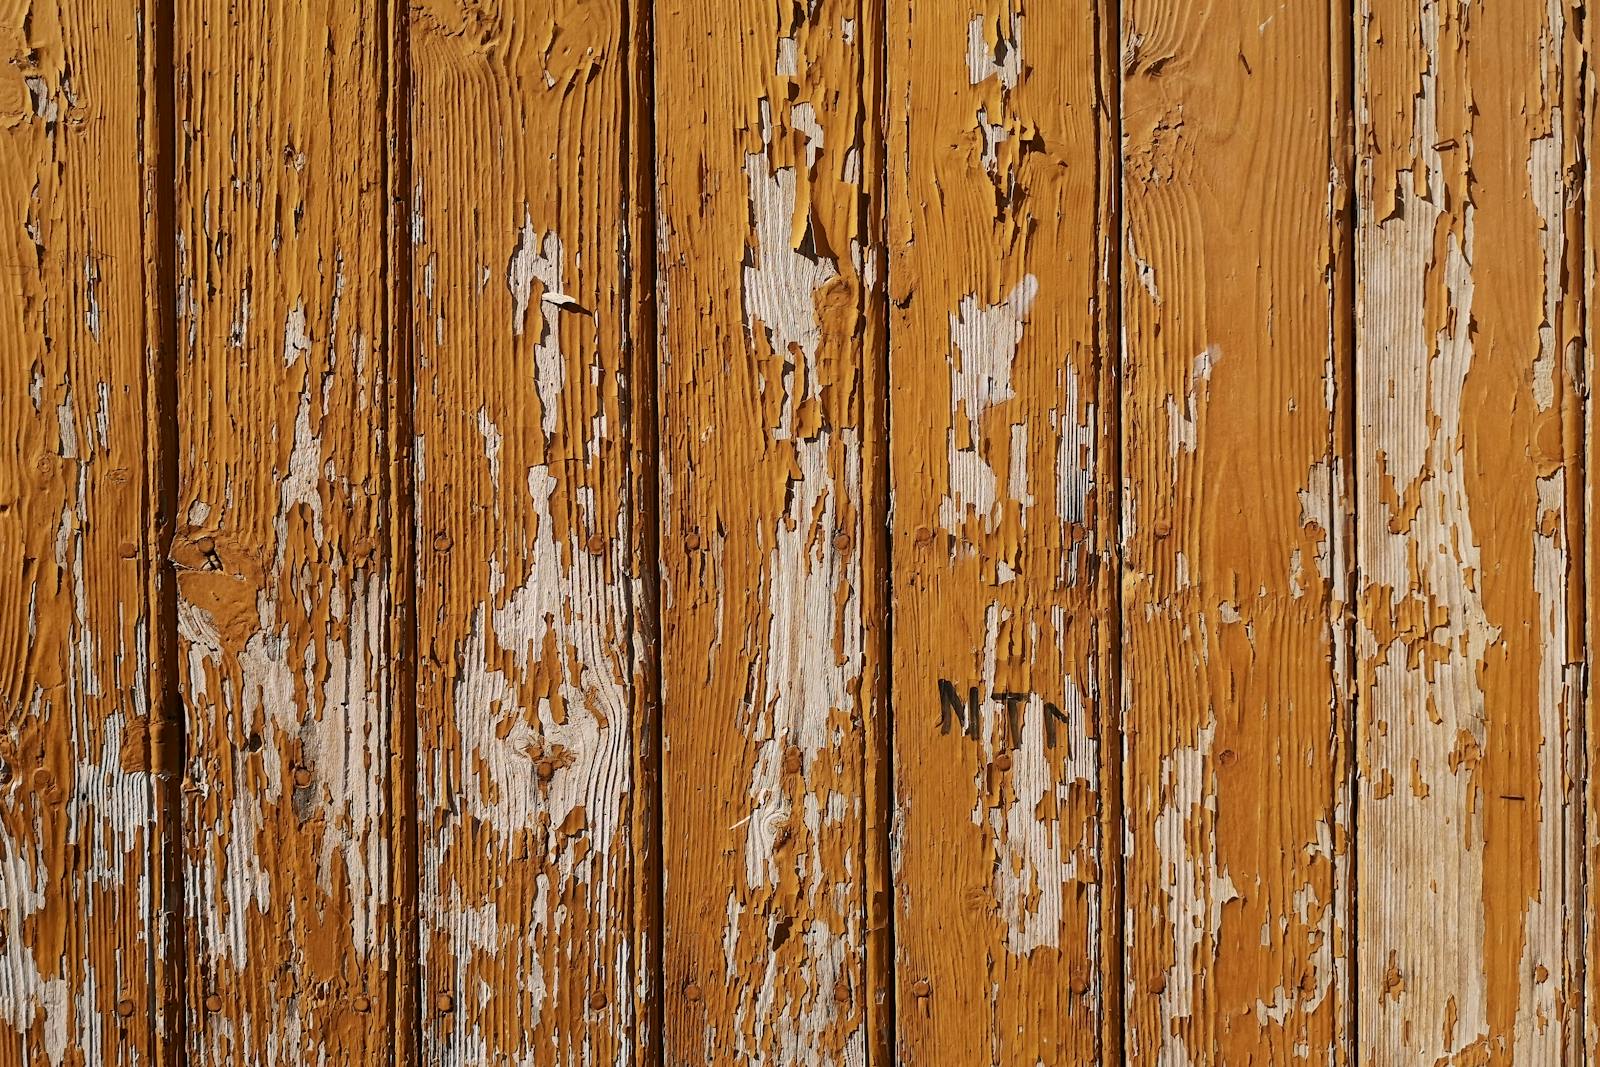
(77, 617)
(767, 279)
(284, 545)
(1235, 575)
(534, 689)
(1469, 641)
(1001, 171)
(1586, 244)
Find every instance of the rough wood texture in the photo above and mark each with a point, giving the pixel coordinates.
(1467, 437)
(767, 280)
(283, 545)
(77, 622)
(1000, 229)
(1235, 575)
(476, 476)
(533, 694)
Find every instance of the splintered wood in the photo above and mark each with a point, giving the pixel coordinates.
(852, 532)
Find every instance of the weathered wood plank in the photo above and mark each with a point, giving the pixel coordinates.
(768, 275)
(1235, 575)
(284, 547)
(1003, 410)
(1469, 639)
(77, 686)
(533, 689)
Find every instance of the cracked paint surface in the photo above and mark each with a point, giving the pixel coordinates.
(1467, 639)
(1234, 569)
(78, 941)
(283, 557)
(998, 223)
(533, 695)
(765, 287)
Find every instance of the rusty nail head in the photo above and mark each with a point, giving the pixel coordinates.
(597, 1002)
(213, 1003)
(1003, 761)
(363, 1005)
(921, 987)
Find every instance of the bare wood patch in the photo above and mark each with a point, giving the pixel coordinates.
(1235, 572)
(768, 275)
(533, 679)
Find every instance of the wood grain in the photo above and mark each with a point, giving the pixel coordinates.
(534, 690)
(1003, 412)
(852, 532)
(78, 833)
(1234, 585)
(1469, 640)
(767, 281)
(284, 546)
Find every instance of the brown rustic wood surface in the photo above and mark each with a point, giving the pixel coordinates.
(854, 532)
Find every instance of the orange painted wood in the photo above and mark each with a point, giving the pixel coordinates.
(1235, 565)
(80, 679)
(767, 279)
(1003, 409)
(1468, 440)
(284, 542)
(858, 532)
(535, 694)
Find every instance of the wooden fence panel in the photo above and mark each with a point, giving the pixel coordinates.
(1236, 576)
(1467, 440)
(1001, 175)
(767, 276)
(533, 688)
(283, 548)
(79, 684)
(849, 532)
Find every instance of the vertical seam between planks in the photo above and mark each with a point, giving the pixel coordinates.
(878, 570)
(168, 950)
(642, 417)
(1114, 333)
(405, 993)
(1343, 220)
(1108, 335)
